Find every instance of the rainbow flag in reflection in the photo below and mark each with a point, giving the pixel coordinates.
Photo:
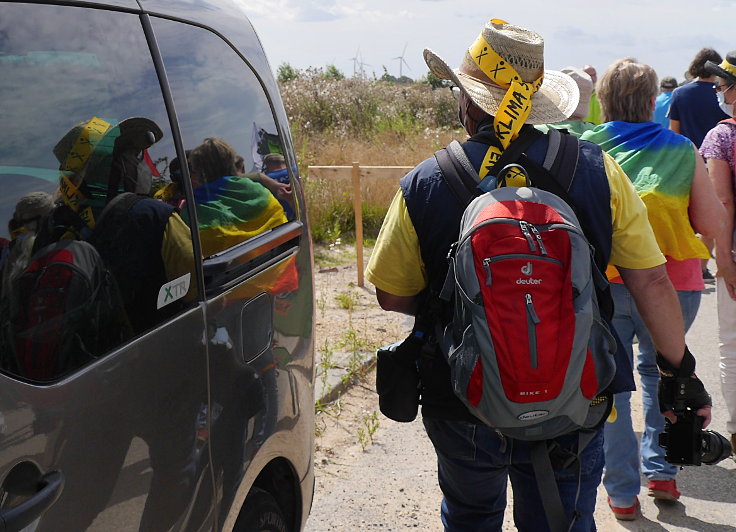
(231, 210)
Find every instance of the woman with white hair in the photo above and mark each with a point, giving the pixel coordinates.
(671, 179)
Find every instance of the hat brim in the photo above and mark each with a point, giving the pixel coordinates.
(555, 101)
(713, 68)
(139, 123)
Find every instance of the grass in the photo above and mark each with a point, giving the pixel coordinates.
(366, 432)
(347, 300)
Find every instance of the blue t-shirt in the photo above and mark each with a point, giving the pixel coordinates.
(661, 106)
(696, 107)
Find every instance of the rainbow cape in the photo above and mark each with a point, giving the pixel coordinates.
(230, 210)
(661, 164)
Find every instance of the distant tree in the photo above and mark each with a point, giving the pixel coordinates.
(405, 80)
(434, 82)
(386, 76)
(332, 72)
(286, 72)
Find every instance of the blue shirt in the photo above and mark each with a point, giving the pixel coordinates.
(696, 107)
(661, 106)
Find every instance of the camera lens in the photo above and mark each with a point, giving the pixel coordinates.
(715, 447)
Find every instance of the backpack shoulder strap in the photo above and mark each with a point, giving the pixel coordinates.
(112, 218)
(558, 169)
(119, 204)
(454, 172)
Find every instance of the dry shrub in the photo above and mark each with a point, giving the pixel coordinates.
(374, 123)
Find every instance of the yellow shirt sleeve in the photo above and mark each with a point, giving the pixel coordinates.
(177, 253)
(396, 265)
(634, 244)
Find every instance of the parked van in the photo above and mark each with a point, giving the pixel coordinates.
(156, 282)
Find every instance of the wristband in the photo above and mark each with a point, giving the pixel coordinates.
(679, 388)
(686, 369)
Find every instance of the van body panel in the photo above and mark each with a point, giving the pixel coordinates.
(172, 427)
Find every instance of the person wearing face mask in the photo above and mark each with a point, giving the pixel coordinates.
(718, 150)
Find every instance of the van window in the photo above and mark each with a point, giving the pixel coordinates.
(83, 122)
(234, 153)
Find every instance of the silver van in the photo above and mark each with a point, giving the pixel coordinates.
(156, 282)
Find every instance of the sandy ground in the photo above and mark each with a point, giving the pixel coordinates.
(373, 473)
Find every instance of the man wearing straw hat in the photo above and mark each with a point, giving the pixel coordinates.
(503, 89)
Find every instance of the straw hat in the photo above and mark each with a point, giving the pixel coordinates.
(726, 70)
(522, 49)
(585, 87)
(142, 131)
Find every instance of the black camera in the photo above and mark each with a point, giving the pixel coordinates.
(687, 443)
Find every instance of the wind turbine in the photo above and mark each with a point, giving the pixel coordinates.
(402, 61)
(362, 64)
(355, 61)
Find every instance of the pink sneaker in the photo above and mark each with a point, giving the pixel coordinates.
(626, 514)
(664, 489)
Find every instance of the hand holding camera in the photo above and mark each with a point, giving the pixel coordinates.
(683, 394)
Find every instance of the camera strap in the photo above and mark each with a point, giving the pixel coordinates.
(545, 457)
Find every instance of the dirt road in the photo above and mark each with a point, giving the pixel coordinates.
(375, 474)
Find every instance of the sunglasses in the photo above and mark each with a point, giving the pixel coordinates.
(722, 87)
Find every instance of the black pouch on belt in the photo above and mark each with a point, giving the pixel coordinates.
(397, 378)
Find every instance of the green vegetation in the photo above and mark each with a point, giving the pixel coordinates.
(366, 432)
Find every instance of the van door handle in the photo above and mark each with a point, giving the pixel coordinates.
(17, 518)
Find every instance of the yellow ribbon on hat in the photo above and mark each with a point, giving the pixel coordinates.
(514, 108)
(73, 198)
(517, 103)
(91, 135)
(89, 138)
(728, 67)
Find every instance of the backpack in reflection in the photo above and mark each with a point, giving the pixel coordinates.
(65, 309)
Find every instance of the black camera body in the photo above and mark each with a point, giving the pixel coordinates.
(687, 443)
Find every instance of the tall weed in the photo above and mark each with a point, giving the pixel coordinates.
(373, 122)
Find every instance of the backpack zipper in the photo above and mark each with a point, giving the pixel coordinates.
(524, 226)
(487, 268)
(532, 321)
(536, 234)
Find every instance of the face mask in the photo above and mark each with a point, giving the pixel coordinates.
(725, 107)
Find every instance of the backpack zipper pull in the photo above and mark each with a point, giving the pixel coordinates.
(534, 319)
(538, 236)
(530, 309)
(487, 268)
(524, 226)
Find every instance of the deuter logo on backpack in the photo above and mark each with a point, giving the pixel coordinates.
(527, 349)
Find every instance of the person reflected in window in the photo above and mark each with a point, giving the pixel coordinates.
(23, 227)
(231, 208)
(173, 193)
(145, 245)
(274, 166)
(278, 187)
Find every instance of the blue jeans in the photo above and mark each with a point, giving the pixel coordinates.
(474, 464)
(622, 478)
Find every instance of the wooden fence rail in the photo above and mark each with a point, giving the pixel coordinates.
(361, 177)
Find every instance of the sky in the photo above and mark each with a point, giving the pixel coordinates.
(665, 34)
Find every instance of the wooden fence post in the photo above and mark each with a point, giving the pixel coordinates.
(358, 209)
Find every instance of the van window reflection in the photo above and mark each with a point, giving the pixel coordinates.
(231, 207)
